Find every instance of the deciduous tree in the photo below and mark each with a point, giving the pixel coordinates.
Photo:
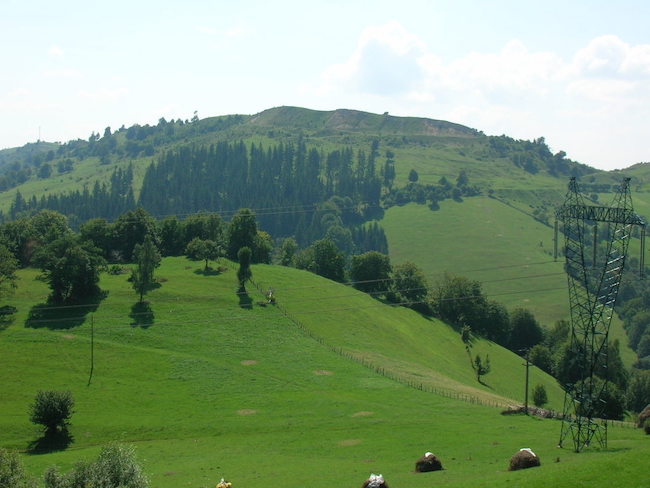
(52, 409)
(241, 232)
(203, 250)
(71, 267)
(244, 272)
(147, 259)
(370, 272)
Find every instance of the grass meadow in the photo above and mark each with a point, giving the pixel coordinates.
(294, 395)
(515, 263)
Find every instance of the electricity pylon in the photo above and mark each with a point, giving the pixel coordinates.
(593, 282)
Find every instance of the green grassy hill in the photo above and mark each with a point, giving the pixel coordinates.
(299, 394)
(482, 238)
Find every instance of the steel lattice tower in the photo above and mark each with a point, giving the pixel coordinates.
(593, 287)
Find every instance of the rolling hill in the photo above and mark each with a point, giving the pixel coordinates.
(327, 385)
(499, 235)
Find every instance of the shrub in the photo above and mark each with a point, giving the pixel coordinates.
(12, 473)
(52, 409)
(116, 467)
(539, 396)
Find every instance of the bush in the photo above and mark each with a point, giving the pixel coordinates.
(539, 396)
(52, 409)
(12, 473)
(116, 467)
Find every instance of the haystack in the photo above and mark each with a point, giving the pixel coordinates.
(375, 481)
(427, 463)
(524, 459)
(644, 415)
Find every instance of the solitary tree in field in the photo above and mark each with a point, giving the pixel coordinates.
(71, 267)
(244, 272)
(241, 232)
(147, 259)
(204, 249)
(539, 396)
(52, 409)
(481, 366)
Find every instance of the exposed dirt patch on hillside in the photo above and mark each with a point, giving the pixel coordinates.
(246, 411)
(248, 362)
(350, 442)
(323, 372)
(363, 413)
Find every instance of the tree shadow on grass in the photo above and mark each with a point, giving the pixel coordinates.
(208, 272)
(142, 315)
(51, 442)
(487, 385)
(56, 316)
(245, 301)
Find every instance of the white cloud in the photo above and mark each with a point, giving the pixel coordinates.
(386, 61)
(514, 90)
(55, 52)
(610, 57)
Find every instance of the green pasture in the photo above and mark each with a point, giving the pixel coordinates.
(483, 239)
(295, 395)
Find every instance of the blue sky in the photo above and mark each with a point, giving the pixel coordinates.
(576, 72)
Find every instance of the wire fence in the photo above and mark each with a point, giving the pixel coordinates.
(418, 385)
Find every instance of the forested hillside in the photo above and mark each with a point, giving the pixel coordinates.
(324, 189)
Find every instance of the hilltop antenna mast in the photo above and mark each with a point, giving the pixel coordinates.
(593, 288)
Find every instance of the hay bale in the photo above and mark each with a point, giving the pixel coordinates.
(375, 481)
(646, 426)
(524, 459)
(644, 415)
(427, 463)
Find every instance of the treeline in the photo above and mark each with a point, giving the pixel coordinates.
(107, 200)
(534, 156)
(43, 160)
(288, 181)
(301, 192)
(635, 312)
(431, 194)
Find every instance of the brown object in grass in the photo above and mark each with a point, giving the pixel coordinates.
(524, 459)
(428, 462)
